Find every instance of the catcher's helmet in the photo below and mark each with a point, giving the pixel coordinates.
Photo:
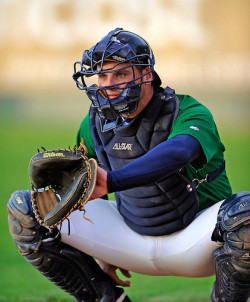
(118, 46)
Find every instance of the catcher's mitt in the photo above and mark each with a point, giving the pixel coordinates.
(62, 181)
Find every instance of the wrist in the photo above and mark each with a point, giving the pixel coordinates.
(109, 183)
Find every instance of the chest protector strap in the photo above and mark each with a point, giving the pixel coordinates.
(163, 207)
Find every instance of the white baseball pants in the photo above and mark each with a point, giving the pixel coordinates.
(184, 253)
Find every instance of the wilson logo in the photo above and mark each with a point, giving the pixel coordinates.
(53, 154)
(122, 146)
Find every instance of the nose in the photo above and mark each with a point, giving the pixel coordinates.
(106, 81)
(110, 80)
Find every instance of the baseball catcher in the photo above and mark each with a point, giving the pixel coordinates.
(160, 153)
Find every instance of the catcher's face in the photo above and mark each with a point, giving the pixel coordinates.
(120, 77)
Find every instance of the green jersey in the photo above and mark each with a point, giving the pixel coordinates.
(196, 120)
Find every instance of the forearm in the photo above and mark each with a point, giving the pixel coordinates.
(164, 159)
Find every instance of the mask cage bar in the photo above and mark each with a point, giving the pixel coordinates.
(97, 90)
(84, 72)
(119, 120)
(100, 94)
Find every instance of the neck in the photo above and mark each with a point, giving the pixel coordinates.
(144, 100)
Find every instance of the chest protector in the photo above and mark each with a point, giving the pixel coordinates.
(165, 206)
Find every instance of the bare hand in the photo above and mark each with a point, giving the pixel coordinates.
(111, 271)
(101, 184)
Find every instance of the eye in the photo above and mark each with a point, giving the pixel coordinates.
(101, 76)
(121, 74)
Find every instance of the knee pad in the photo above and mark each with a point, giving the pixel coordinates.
(23, 226)
(233, 227)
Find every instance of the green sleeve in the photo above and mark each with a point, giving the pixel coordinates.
(196, 120)
(85, 134)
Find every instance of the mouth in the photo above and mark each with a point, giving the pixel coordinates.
(112, 94)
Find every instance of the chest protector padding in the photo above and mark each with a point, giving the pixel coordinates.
(165, 206)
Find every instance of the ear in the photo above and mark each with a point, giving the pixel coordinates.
(148, 76)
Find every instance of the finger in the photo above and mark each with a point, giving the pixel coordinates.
(125, 273)
(125, 283)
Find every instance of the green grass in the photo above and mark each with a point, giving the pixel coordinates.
(19, 281)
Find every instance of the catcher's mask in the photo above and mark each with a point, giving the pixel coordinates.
(120, 47)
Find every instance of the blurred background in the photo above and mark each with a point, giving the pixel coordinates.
(201, 49)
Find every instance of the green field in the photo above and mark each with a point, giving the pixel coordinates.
(20, 136)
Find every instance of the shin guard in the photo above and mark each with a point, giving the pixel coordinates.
(232, 260)
(71, 270)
